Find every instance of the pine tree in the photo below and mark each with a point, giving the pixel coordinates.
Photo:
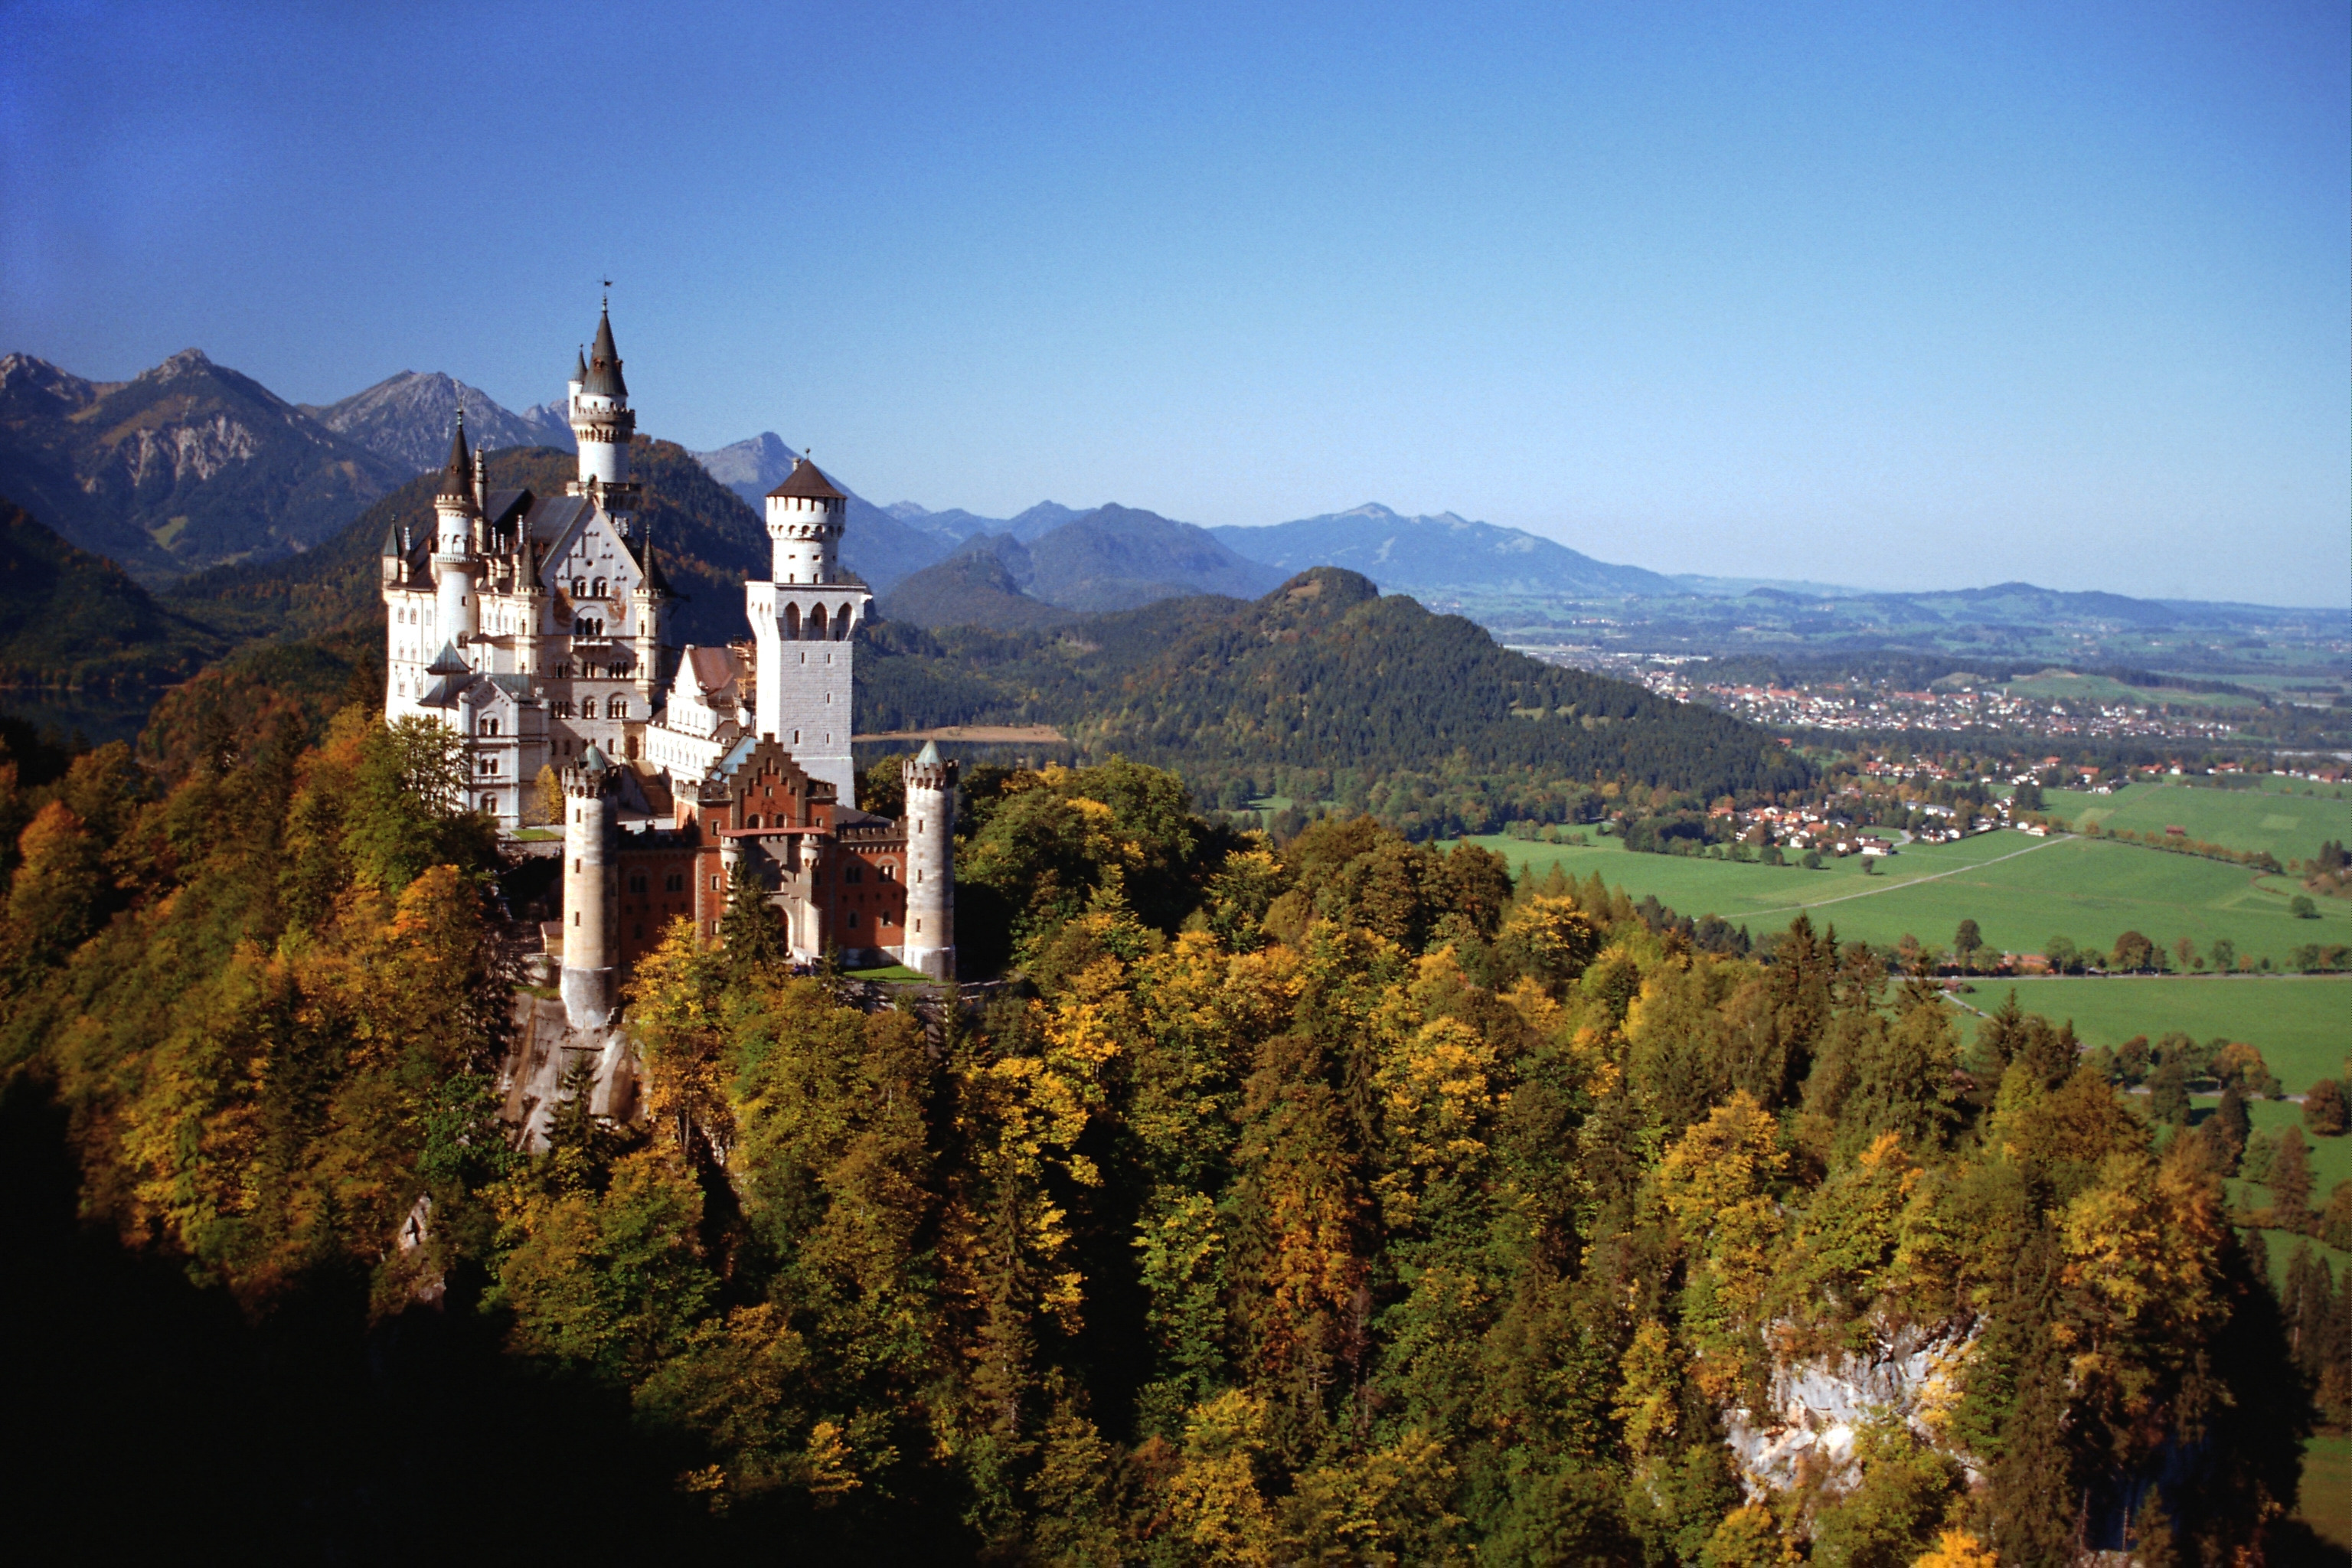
(2290, 1180)
(2231, 1125)
(751, 933)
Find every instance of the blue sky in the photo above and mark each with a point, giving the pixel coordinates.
(1903, 295)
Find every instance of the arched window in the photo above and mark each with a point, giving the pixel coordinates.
(579, 587)
(616, 709)
(753, 820)
(588, 708)
(791, 620)
(816, 622)
(600, 589)
(841, 622)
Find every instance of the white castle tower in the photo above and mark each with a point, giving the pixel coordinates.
(929, 821)
(804, 619)
(457, 506)
(603, 426)
(589, 891)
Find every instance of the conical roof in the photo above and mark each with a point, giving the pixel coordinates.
(928, 754)
(603, 378)
(458, 474)
(593, 761)
(446, 662)
(579, 365)
(806, 482)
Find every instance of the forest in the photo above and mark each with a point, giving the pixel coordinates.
(1333, 1200)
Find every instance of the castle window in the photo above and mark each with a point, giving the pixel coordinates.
(579, 587)
(853, 919)
(753, 820)
(588, 709)
(889, 873)
(674, 883)
(617, 709)
(600, 589)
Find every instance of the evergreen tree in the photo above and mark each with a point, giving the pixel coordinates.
(751, 931)
(2290, 1181)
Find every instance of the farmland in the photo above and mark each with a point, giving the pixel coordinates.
(2290, 826)
(2019, 890)
(2302, 1027)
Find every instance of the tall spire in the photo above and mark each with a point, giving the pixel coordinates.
(579, 364)
(603, 378)
(458, 476)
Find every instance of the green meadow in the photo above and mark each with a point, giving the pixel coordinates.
(2290, 826)
(2301, 1025)
(2019, 889)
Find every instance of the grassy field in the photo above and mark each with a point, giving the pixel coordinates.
(2289, 826)
(2019, 890)
(2326, 1501)
(2302, 1027)
(2064, 688)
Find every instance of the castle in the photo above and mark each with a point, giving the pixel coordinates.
(535, 627)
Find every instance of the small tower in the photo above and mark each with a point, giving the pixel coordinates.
(588, 891)
(455, 566)
(603, 423)
(803, 620)
(929, 822)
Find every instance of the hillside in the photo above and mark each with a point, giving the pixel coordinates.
(1441, 553)
(976, 586)
(187, 467)
(71, 619)
(405, 420)
(1322, 674)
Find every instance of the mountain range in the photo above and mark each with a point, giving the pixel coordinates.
(1112, 558)
(192, 466)
(1439, 554)
(184, 467)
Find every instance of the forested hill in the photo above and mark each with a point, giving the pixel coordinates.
(68, 618)
(1323, 674)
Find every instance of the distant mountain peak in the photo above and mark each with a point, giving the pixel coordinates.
(187, 362)
(405, 419)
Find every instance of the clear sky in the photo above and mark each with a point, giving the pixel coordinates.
(1903, 294)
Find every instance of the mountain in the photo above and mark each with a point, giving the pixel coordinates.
(182, 467)
(957, 523)
(973, 587)
(68, 618)
(1112, 558)
(1116, 558)
(875, 544)
(405, 419)
(1444, 553)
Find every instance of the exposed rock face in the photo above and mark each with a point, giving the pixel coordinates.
(405, 419)
(1821, 1403)
(188, 466)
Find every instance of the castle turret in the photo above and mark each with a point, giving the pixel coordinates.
(456, 568)
(589, 949)
(603, 423)
(929, 821)
(804, 619)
